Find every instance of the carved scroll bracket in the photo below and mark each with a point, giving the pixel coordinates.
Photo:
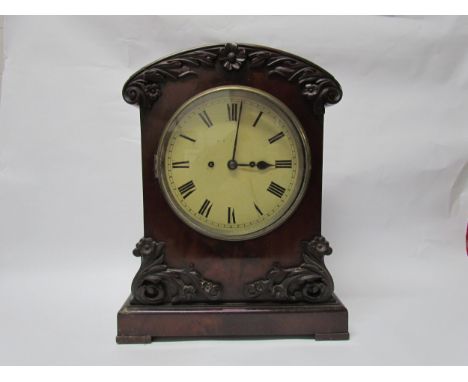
(318, 86)
(157, 283)
(308, 282)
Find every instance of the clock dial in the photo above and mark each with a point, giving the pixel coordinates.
(233, 163)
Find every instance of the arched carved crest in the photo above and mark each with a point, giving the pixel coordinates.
(318, 86)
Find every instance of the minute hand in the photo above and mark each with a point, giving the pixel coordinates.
(237, 132)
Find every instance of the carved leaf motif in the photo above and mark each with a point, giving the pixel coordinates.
(277, 274)
(283, 71)
(259, 58)
(156, 283)
(309, 282)
(315, 84)
(136, 90)
(313, 251)
(318, 86)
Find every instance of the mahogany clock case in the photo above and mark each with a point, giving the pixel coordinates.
(281, 274)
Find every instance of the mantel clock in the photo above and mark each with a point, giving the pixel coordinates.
(232, 149)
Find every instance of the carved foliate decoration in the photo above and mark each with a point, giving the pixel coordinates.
(157, 283)
(317, 85)
(308, 282)
(232, 57)
(145, 87)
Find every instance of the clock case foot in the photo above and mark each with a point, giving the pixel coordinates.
(140, 324)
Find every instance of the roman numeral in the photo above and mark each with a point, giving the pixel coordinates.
(232, 111)
(231, 216)
(187, 138)
(276, 189)
(187, 188)
(205, 208)
(283, 163)
(276, 137)
(257, 119)
(258, 209)
(204, 116)
(182, 164)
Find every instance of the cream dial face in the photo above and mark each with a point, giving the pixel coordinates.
(233, 163)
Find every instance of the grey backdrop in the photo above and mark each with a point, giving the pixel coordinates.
(395, 185)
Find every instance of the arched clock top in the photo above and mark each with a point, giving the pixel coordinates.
(318, 86)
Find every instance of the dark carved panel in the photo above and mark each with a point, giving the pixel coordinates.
(157, 283)
(317, 85)
(145, 87)
(308, 282)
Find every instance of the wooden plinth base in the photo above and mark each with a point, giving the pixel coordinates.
(144, 324)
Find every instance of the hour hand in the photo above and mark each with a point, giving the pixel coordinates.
(250, 164)
(262, 165)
